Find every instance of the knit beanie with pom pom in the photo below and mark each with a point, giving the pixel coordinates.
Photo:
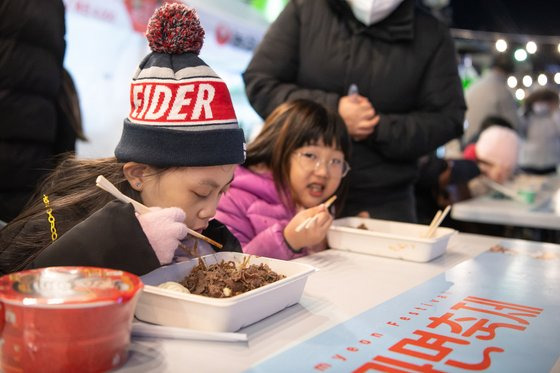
(498, 145)
(181, 112)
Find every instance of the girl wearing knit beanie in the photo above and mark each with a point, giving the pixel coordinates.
(179, 147)
(496, 152)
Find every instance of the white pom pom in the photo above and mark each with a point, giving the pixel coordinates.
(498, 145)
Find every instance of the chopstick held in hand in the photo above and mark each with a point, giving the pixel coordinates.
(107, 186)
(309, 221)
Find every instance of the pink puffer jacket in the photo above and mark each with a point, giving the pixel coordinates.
(253, 212)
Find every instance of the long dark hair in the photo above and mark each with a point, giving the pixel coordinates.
(72, 195)
(290, 126)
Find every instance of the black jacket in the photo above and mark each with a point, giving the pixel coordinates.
(404, 64)
(112, 237)
(32, 50)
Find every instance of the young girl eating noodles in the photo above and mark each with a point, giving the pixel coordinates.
(293, 166)
(179, 147)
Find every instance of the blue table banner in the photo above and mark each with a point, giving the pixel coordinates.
(497, 312)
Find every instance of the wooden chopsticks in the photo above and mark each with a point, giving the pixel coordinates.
(436, 221)
(310, 220)
(107, 186)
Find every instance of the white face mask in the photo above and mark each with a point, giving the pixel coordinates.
(372, 11)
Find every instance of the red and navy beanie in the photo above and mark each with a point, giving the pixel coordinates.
(181, 112)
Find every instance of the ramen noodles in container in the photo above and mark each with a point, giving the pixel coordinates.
(66, 319)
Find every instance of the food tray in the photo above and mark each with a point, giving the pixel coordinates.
(388, 238)
(171, 308)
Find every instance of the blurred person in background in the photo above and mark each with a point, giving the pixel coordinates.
(408, 99)
(490, 96)
(442, 182)
(38, 101)
(540, 132)
(496, 152)
(469, 147)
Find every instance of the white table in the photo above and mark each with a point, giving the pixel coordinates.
(486, 209)
(345, 285)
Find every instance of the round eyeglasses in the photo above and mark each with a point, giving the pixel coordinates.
(310, 161)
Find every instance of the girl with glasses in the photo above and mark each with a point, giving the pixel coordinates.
(293, 166)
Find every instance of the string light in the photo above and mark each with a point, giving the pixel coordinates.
(531, 47)
(527, 80)
(523, 47)
(493, 37)
(501, 45)
(503, 41)
(520, 55)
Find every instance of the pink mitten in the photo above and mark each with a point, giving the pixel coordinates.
(165, 228)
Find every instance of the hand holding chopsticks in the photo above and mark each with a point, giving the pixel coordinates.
(436, 221)
(309, 227)
(107, 186)
(311, 220)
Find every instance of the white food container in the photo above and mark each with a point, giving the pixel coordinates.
(172, 308)
(388, 238)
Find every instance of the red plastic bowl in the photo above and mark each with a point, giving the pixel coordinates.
(66, 319)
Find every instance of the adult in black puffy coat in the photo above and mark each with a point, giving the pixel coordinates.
(32, 50)
(410, 98)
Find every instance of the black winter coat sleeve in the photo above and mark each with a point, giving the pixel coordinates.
(439, 114)
(272, 75)
(111, 237)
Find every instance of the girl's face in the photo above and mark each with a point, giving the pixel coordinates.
(315, 173)
(197, 190)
